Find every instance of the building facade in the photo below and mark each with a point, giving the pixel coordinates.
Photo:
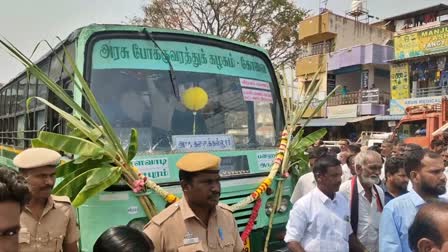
(351, 54)
(419, 70)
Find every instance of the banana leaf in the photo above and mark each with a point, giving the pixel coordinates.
(73, 183)
(96, 133)
(66, 168)
(304, 143)
(36, 143)
(98, 181)
(133, 145)
(69, 144)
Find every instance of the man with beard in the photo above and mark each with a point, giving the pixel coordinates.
(47, 222)
(14, 194)
(396, 179)
(366, 198)
(426, 171)
(319, 221)
(198, 222)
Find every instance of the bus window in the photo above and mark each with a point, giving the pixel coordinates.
(71, 51)
(21, 95)
(12, 98)
(56, 66)
(2, 102)
(42, 90)
(32, 91)
(412, 129)
(12, 131)
(41, 121)
(20, 131)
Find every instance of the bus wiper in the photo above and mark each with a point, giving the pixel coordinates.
(171, 71)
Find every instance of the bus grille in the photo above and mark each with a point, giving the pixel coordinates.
(242, 216)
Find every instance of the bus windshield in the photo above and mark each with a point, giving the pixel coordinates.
(131, 81)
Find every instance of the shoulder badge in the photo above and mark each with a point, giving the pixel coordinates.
(63, 199)
(165, 214)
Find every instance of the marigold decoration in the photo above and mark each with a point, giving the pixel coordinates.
(250, 224)
(171, 198)
(195, 98)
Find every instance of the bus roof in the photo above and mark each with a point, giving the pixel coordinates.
(86, 31)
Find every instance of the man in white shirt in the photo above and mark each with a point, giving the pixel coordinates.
(319, 221)
(306, 182)
(366, 199)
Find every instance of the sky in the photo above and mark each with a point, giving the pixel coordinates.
(26, 22)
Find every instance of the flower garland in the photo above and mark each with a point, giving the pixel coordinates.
(250, 224)
(267, 182)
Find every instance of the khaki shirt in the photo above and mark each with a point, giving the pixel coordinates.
(56, 226)
(177, 228)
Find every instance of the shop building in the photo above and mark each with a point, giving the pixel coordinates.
(419, 70)
(349, 53)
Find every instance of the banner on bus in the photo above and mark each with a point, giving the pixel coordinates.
(144, 54)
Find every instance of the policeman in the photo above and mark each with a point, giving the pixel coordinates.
(48, 222)
(198, 222)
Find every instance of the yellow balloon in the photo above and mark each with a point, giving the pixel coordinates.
(195, 98)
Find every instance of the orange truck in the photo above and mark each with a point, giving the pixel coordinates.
(422, 123)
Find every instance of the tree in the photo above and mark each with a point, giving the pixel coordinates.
(272, 24)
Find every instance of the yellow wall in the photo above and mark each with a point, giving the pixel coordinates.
(314, 26)
(310, 65)
(320, 113)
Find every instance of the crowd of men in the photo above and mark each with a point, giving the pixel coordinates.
(354, 199)
(391, 198)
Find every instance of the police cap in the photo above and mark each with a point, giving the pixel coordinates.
(36, 157)
(196, 162)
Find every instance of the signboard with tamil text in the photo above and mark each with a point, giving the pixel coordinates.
(191, 143)
(154, 168)
(143, 54)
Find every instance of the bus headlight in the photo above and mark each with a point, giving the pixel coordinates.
(283, 205)
(269, 207)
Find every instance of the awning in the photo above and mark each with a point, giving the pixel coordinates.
(388, 117)
(326, 122)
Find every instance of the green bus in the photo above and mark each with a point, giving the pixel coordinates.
(138, 75)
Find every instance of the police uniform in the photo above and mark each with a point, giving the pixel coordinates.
(177, 228)
(57, 225)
